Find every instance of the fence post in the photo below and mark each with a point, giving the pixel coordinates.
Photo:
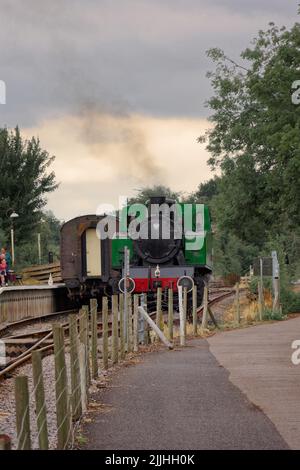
(40, 405)
(83, 375)
(185, 308)
(260, 301)
(115, 328)
(135, 323)
(122, 333)
(141, 322)
(213, 318)
(75, 370)
(93, 309)
(170, 314)
(155, 327)
(237, 303)
(85, 309)
(61, 387)
(181, 317)
(159, 315)
(276, 300)
(145, 324)
(105, 332)
(5, 442)
(205, 308)
(129, 323)
(22, 413)
(83, 338)
(195, 332)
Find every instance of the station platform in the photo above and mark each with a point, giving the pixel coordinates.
(19, 302)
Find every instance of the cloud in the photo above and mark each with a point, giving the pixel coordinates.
(142, 56)
(117, 155)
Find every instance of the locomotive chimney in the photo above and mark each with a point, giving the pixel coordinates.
(157, 200)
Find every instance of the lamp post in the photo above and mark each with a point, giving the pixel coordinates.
(42, 220)
(39, 248)
(12, 217)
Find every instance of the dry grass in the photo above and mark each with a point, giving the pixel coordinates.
(249, 311)
(103, 407)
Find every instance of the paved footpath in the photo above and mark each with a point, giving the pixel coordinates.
(181, 399)
(259, 362)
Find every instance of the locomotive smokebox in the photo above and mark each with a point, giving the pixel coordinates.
(160, 246)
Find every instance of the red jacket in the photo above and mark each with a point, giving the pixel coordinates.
(3, 265)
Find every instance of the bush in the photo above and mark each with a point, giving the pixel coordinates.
(254, 283)
(289, 300)
(270, 315)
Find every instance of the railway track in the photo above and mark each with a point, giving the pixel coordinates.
(6, 328)
(20, 345)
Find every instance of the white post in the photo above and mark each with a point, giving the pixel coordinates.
(135, 323)
(181, 317)
(159, 333)
(141, 322)
(237, 303)
(261, 281)
(276, 282)
(126, 274)
(205, 308)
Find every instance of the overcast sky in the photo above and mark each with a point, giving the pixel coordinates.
(115, 89)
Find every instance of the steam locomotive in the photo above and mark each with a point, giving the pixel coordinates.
(168, 244)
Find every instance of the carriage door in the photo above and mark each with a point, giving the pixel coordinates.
(93, 253)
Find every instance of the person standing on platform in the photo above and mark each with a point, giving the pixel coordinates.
(3, 272)
(7, 255)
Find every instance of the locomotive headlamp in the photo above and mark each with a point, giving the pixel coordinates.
(157, 271)
(186, 281)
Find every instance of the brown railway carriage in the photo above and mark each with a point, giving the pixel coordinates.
(85, 259)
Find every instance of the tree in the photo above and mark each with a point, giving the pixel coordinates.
(205, 194)
(255, 144)
(25, 181)
(50, 235)
(49, 230)
(231, 255)
(255, 117)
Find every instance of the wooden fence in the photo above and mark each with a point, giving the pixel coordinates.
(39, 274)
(83, 344)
